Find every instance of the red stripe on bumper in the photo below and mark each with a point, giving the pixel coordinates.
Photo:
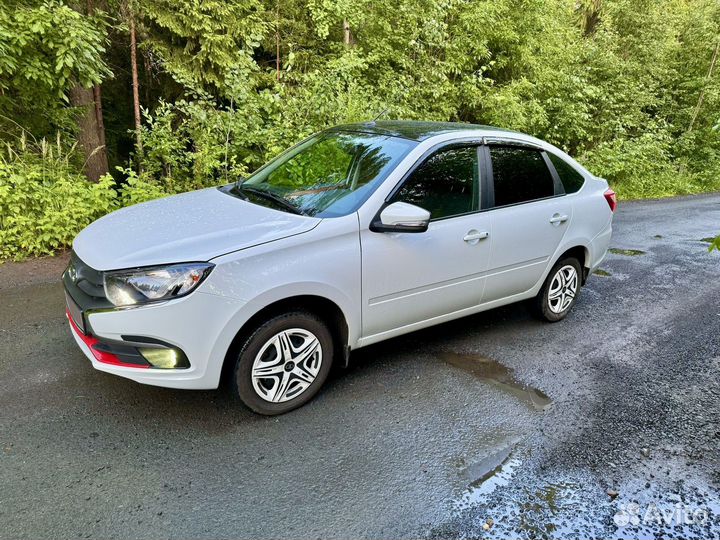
(100, 356)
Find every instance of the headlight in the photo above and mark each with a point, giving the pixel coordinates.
(142, 285)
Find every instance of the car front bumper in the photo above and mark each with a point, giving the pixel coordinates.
(199, 326)
(192, 325)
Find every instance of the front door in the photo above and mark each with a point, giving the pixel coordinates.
(408, 278)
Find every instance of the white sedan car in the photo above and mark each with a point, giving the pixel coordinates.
(358, 234)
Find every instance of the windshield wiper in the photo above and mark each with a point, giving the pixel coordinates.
(277, 199)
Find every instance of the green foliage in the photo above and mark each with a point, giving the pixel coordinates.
(50, 45)
(193, 144)
(641, 167)
(44, 201)
(629, 87)
(208, 44)
(45, 49)
(138, 189)
(615, 83)
(715, 244)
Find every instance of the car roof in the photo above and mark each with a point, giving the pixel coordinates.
(420, 130)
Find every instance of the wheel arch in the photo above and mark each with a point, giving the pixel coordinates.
(326, 309)
(579, 252)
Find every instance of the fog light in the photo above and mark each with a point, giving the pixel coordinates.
(165, 358)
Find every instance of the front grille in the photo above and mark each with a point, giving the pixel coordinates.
(86, 278)
(85, 284)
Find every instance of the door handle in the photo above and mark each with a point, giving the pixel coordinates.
(473, 236)
(557, 218)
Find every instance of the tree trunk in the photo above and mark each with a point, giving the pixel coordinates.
(91, 135)
(148, 78)
(135, 85)
(588, 12)
(709, 75)
(277, 41)
(97, 98)
(346, 33)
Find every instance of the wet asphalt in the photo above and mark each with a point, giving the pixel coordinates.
(497, 425)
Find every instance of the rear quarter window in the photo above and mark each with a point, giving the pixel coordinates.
(570, 177)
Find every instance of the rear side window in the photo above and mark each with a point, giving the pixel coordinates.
(446, 184)
(571, 179)
(519, 175)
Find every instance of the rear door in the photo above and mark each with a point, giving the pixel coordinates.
(529, 215)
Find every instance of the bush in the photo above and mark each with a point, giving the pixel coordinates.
(137, 189)
(643, 167)
(194, 144)
(45, 202)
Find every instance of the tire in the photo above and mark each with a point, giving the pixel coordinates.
(560, 291)
(283, 363)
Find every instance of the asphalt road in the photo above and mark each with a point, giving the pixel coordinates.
(493, 426)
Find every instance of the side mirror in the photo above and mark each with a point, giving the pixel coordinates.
(401, 217)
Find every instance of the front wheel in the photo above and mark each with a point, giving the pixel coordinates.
(560, 290)
(283, 363)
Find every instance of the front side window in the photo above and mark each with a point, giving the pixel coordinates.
(519, 175)
(328, 175)
(570, 177)
(446, 184)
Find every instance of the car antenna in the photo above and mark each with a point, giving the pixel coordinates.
(382, 113)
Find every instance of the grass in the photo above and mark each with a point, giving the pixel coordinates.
(626, 252)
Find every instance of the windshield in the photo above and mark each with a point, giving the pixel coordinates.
(328, 175)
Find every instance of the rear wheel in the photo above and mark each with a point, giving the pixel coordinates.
(560, 290)
(284, 363)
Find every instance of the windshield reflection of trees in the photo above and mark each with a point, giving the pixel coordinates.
(328, 171)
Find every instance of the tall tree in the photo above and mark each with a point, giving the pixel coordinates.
(277, 40)
(709, 76)
(97, 99)
(135, 81)
(206, 46)
(91, 134)
(588, 12)
(50, 53)
(346, 32)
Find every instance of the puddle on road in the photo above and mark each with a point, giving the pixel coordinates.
(552, 507)
(499, 468)
(500, 376)
(601, 272)
(492, 472)
(626, 252)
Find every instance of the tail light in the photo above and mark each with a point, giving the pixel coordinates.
(611, 199)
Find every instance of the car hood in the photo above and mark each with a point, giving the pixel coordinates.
(194, 226)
